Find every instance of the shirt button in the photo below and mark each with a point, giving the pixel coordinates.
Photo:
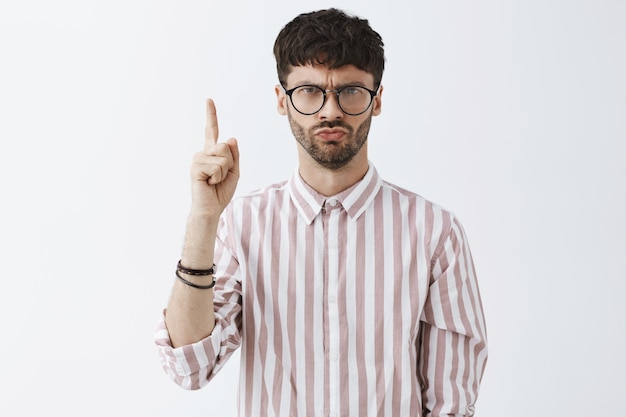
(334, 415)
(332, 202)
(332, 299)
(334, 357)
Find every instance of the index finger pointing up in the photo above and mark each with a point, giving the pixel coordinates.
(211, 131)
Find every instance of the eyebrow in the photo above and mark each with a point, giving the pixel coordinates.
(338, 86)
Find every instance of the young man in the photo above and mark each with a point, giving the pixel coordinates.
(348, 295)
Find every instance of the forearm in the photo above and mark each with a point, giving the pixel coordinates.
(190, 314)
(451, 371)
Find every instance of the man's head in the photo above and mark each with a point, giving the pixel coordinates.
(331, 38)
(330, 66)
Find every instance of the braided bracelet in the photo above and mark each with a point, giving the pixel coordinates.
(191, 284)
(197, 272)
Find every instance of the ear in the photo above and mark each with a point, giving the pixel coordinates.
(281, 98)
(377, 105)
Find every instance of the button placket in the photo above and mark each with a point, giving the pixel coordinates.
(333, 214)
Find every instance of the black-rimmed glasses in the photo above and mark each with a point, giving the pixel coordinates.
(309, 99)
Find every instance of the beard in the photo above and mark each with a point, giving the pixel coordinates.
(329, 154)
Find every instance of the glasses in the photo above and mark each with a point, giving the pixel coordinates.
(309, 99)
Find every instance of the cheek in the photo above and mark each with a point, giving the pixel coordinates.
(296, 119)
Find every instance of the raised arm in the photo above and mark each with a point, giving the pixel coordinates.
(214, 175)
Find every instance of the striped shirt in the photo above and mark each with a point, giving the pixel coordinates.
(361, 304)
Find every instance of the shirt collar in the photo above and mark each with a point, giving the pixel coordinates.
(354, 199)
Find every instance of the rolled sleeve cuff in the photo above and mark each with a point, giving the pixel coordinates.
(190, 366)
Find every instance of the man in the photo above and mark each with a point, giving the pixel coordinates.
(348, 295)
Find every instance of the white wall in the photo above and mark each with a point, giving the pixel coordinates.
(512, 114)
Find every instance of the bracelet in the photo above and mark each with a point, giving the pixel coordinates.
(191, 284)
(198, 272)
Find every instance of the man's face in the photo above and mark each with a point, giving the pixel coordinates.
(330, 137)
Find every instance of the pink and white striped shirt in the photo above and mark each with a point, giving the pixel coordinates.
(361, 304)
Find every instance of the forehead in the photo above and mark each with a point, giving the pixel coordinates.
(321, 75)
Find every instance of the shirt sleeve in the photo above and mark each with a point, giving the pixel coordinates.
(453, 344)
(193, 366)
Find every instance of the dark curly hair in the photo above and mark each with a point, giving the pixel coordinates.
(332, 38)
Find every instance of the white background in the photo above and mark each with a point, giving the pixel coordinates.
(511, 114)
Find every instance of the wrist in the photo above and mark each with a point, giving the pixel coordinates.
(199, 245)
(202, 222)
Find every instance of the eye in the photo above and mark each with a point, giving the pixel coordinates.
(308, 90)
(351, 91)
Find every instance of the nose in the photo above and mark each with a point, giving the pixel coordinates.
(331, 110)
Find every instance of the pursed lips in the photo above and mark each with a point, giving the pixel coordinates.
(333, 134)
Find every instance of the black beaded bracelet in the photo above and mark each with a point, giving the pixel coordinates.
(191, 284)
(198, 272)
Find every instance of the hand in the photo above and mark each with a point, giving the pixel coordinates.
(214, 170)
